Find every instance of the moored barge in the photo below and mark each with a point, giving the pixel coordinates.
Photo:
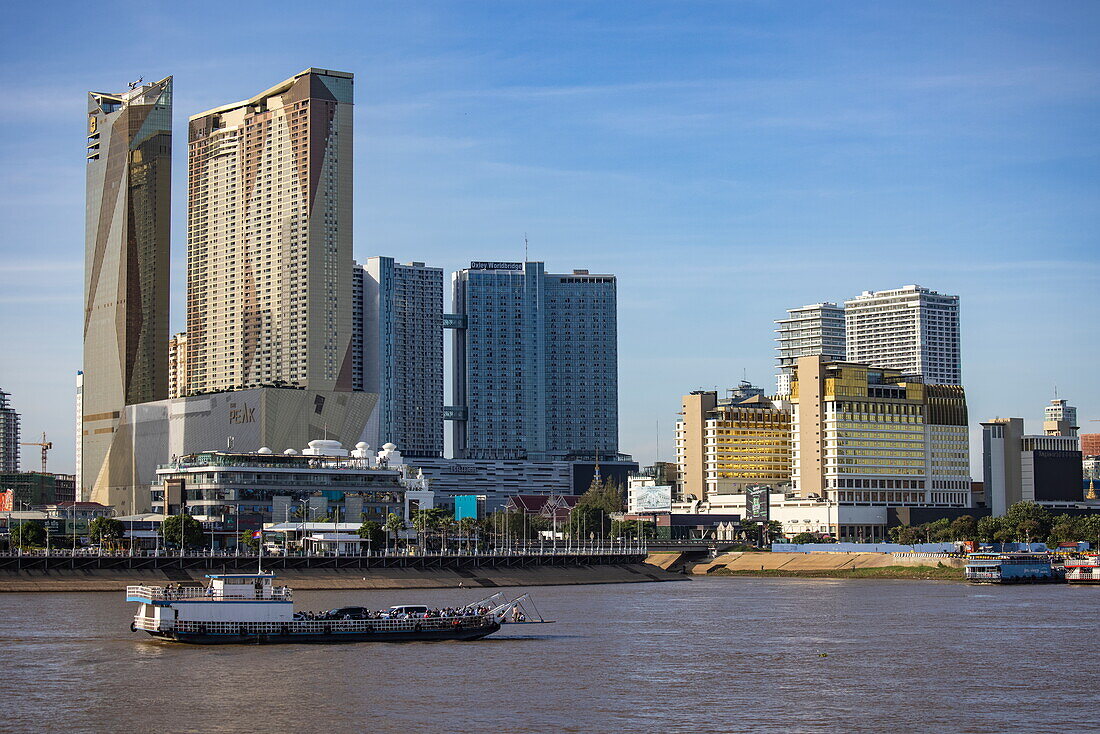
(1012, 568)
(249, 608)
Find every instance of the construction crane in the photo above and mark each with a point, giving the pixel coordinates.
(46, 446)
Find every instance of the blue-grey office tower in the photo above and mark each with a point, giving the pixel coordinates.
(397, 352)
(535, 364)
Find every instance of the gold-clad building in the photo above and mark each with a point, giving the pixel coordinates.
(862, 434)
(726, 445)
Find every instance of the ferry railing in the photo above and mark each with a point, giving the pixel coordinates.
(333, 626)
(162, 593)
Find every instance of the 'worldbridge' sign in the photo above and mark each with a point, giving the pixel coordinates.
(485, 265)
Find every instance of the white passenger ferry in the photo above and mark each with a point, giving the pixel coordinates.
(250, 608)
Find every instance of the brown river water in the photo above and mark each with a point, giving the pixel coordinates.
(707, 655)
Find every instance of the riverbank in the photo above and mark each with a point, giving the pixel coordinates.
(928, 573)
(834, 565)
(347, 579)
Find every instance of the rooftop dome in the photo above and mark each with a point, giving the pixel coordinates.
(290, 452)
(264, 450)
(389, 446)
(325, 447)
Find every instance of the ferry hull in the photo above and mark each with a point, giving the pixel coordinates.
(331, 638)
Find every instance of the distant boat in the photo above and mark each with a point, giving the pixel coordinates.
(1083, 570)
(249, 608)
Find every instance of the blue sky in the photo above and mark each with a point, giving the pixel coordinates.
(727, 160)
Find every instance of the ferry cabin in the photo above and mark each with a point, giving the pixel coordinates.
(230, 598)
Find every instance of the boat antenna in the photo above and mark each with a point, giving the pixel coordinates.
(260, 556)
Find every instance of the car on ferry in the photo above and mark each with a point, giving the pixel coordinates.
(347, 613)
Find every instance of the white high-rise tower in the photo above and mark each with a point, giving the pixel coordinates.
(808, 331)
(911, 329)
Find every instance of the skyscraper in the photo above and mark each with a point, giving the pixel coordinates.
(398, 341)
(535, 363)
(1060, 419)
(911, 329)
(129, 167)
(9, 435)
(863, 434)
(269, 293)
(817, 329)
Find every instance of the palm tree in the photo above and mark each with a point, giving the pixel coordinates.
(468, 526)
(446, 525)
(394, 525)
(422, 521)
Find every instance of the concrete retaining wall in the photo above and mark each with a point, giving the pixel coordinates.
(389, 578)
(796, 562)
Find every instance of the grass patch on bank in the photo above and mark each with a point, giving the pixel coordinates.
(931, 573)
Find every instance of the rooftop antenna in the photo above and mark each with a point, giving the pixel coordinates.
(525, 247)
(135, 85)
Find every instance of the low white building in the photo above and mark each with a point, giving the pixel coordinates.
(864, 522)
(335, 544)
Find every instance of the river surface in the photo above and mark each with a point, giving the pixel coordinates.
(707, 655)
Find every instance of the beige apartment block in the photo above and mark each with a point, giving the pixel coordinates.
(269, 242)
(725, 445)
(177, 365)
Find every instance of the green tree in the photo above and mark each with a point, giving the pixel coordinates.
(372, 531)
(469, 528)
(1036, 517)
(106, 530)
(775, 532)
(28, 534)
(248, 541)
(588, 521)
(429, 520)
(964, 527)
(1029, 529)
(607, 496)
(937, 531)
(394, 525)
(176, 525)
(1089, 530)
(502, 526)
(988, 527)
(907, 534)
(633, 529)
(802, 538)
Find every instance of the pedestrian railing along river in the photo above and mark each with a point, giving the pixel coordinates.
(610, 549)
(232, 562)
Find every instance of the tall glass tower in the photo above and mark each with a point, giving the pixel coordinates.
(129, 168)
(535, 363)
